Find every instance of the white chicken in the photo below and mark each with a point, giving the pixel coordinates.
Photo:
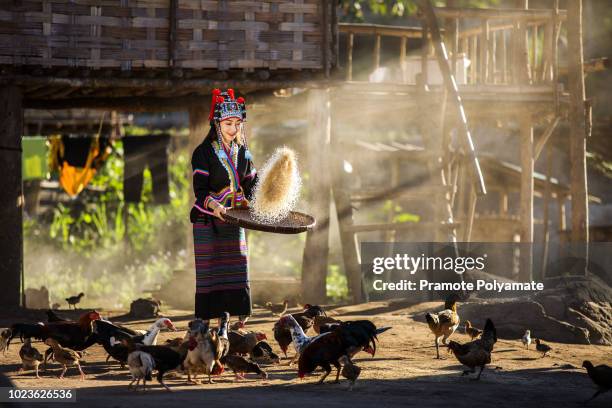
(141, 367)
(526, 339)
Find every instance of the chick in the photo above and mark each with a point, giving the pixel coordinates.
(542, 348)
(5, 336)
(30, 357)
(65, 356)
(73, 300)
(349, 370)
(471, 331)
(526, 339)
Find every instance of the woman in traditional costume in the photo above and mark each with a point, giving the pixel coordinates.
(223, 177)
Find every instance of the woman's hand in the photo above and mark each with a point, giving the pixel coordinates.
(219, 211)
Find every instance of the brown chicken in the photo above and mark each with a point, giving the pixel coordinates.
(279, 308)
(601, 375)
(30, 357)
(242, 343)
(323, 320)
(65, 356)
(240, 366)
(444, 323)
(478, 352)
(471, 331)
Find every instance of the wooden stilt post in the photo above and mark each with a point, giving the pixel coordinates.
(546, 211)
(344, 211)
(527, 167)
(316, 250)
(11, 198)
(578, 131)
(198, 129)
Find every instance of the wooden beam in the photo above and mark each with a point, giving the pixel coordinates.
(545, 136)
(526, 212)
(578, 129)
(316, 250)
(132, 104)
(519, 13)
(546, 211)
(384, 30)
(349, 67)
(172, 32)
(377, 52)
(325, 26)
(521, 56)
(344, 212)
(198, 129)
(11, 199)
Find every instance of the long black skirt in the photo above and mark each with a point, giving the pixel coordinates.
(222, 271)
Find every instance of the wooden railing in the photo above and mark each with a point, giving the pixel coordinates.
(503, 46)
(378, 32)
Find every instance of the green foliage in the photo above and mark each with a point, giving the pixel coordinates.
(89, 247)
(336, 284)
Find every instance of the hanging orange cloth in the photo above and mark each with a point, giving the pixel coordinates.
(74, 178)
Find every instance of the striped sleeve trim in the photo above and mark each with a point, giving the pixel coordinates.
(200, 171)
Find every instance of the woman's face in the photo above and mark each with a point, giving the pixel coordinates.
(230, 129)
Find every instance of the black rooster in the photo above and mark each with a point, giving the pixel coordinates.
(345, 340)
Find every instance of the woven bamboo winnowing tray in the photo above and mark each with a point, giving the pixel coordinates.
(138, 34)
(294, 223)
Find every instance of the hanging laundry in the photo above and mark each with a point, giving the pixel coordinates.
(146, 151)
(78, 159)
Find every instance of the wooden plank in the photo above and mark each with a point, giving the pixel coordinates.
(519, 13)
(484, 52)
(316, 249)
(577, 125)
(11, 199)
(383, 30)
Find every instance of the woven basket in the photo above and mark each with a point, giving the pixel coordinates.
(294, 223)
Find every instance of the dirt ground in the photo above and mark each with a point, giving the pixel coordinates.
(403, 373)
